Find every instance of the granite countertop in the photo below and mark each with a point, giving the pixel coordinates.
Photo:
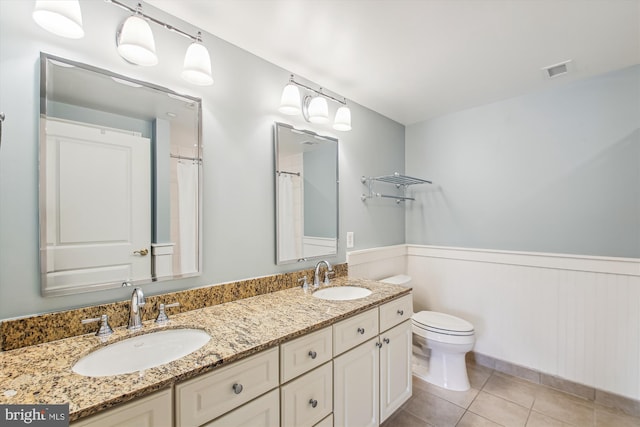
(41, 374)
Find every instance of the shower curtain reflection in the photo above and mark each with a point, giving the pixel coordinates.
(187, 239)
(289, 217)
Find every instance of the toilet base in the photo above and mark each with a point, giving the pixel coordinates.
(448, 371)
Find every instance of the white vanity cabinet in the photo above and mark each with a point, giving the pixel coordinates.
(354, 373)
(151, 411)
(373, 379)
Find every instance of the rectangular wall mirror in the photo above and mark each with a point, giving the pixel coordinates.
(120, 180)
(306, 170)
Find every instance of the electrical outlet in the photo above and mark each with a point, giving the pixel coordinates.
(349, 239)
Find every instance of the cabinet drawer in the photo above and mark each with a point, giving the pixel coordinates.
(308, 399)
(395, 312)
(305, 353)
(261, 412)
(354, 330)
(204, 398)
(150, 411)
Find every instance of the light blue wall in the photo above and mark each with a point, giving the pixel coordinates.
(554, 171)
(238, 115)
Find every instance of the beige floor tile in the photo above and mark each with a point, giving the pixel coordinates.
(611, 418)
(404, 419)
(460, 398)
(478, 375)
(539, 420)
(434, 410)
(469, 419)
(507, 387)
(499, 410)
(564, 407)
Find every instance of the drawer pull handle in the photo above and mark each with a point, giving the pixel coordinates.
(386, 340)
(237, 388)
(313, 354)
(313, 403)
(401, 312)
(361, 331)
(378, 344)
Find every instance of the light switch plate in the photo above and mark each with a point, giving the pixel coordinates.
(349, 239)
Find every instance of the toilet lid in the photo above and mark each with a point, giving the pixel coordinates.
(440, 322)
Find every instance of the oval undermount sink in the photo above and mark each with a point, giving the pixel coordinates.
(342, 293)
(141, 352)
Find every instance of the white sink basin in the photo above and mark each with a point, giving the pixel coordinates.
(342, 293)
(141, 352)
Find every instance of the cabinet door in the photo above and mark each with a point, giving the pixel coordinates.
(150, 411)
(395, 369)
(355, 392)
(261, 412)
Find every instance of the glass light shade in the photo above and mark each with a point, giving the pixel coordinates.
(197, 65)
(342, 121)
(62, 18)
(136, 43)
(318, 110)
(290, 100)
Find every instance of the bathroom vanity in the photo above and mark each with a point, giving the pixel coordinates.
(284, 358)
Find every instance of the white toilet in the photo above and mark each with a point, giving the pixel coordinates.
(440, 342)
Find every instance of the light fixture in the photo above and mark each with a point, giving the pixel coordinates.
(60, 17)
(135, 40)
(342, 122)
(290, 100)
(197, 64)
(314, 107)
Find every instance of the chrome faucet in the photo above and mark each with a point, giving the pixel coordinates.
(316, 276)
(137, 301)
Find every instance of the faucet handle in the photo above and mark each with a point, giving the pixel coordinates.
(105, 329)
(305, 284)
(162, 316)
(326, 276)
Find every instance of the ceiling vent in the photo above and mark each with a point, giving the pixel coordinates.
(557, 70)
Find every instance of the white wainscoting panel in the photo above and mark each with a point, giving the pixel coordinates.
(378, 263)
(573, 317)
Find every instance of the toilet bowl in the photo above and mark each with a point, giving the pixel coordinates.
(440, 342)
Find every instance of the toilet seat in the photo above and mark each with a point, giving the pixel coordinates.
(441, 323)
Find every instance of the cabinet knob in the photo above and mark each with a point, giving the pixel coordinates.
(313, 354)
(313, 403)
(386, 340)
(237, 388)
(401, 312)
(378, 344)
(361, 331)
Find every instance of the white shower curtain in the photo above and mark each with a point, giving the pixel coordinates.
(287, 247)
(188, 212)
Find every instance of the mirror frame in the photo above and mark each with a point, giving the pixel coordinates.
(42, 214)
(277, 126)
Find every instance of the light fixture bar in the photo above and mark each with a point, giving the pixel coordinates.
(154, 20)
(319, 92)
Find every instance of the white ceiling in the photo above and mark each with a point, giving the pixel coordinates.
(412, 60)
